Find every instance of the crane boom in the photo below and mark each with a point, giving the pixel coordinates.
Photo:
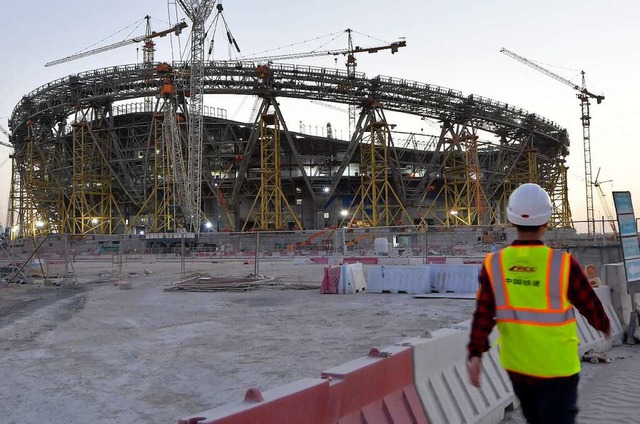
(177, 29)
(351, 62)
(583, 90)
(5, 132)
(584, 96)
(393, 47)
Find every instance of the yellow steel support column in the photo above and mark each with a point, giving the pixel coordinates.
(164, 217)
(462, 200)
(273, 211)
(376, 202)
(92, 205)
(42, 199)
(481, 209)
(158, 204)
(17, 200)
(555, 183)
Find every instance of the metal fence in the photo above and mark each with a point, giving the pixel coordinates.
(55, 255)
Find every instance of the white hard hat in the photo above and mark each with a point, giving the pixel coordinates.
(529, 205)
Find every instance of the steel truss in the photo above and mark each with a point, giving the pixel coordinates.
(478, 175)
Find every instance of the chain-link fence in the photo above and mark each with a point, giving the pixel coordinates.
(55, 255)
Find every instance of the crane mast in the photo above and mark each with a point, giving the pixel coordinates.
(584, 96)
(198, 11)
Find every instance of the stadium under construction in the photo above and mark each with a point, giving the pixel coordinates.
(134, 150)
(88, 159)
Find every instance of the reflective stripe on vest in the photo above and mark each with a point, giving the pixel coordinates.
(554, 289)
(540, 317)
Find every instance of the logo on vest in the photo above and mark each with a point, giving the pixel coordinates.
(518, 268)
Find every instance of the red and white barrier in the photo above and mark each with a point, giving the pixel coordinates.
(331, 280)
(377, 388)
(303, 401)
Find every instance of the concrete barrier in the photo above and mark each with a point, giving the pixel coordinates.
(303, 401)
(377, 388)
(440, 377)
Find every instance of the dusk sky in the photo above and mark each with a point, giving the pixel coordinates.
(454, 44)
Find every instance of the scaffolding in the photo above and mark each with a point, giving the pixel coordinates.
(555, 183)
(463, 190)
(377, 203)
(271, 209)
(92, 208)
(160, 204)
(36, 200)
(40, 189)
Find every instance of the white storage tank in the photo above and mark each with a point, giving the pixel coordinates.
(381, 246)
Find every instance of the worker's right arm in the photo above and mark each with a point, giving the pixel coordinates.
(483, 317)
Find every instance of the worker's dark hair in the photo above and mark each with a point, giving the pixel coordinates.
(528, 228)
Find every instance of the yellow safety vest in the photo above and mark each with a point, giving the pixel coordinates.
(538, 332)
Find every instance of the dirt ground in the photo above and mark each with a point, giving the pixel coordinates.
(96, 353)
(91, 352)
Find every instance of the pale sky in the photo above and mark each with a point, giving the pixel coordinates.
(454, 44)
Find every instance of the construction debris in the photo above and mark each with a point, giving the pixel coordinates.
(249, 282)
(596, 357)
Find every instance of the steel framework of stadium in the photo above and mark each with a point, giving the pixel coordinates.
(87, 162)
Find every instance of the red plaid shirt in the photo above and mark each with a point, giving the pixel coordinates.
(581, 295)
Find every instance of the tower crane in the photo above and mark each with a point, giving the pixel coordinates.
(605, 205)
(5, 132)
(147, 49)
(198, 11)
(351, 63)
(337, 52)
(584, 95)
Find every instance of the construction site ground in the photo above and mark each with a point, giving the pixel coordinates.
(93, 352)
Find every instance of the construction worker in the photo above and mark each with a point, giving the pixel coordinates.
(527, 289)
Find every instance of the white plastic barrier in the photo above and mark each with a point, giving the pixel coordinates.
(395, 279)
(590, 338)
(440, 377)
(352, 279)
(454, 278)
